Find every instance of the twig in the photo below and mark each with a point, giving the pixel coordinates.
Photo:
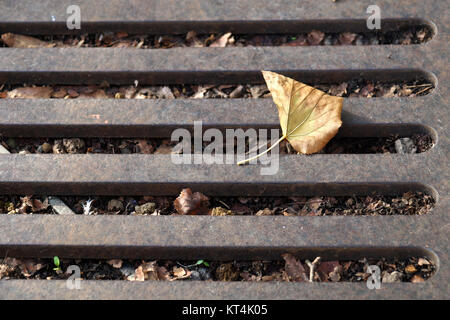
(259, 155)
(228, 207)
(419, 85)
(311, 268)
(423, 90)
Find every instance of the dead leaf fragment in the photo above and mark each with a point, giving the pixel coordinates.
(35, 204)
(423, 262)
(19, 41)
(294, 269)
(145, 146)
(309, 117)
(29, 267)
(115, 263)
(137, 276)
(265, 212)
(315, 37)
(31, 92)
(314, 203)
(347, 38)
(191, 203)
(329, 271)
(417, 278)
(222, 41)
(180, 273)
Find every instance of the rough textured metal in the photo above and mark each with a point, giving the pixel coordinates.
(158, 118)
(224, 237)
(140, 174)
(153, 16)
(57, 204)
(205, 290)
(245, 238)
(216, 65)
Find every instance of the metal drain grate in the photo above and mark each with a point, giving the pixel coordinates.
(222, 238)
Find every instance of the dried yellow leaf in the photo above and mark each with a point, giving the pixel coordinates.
(309, 118)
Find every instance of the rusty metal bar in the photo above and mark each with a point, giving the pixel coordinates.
(140, 174)
(158, 118)
(155, 290)
(207, 16)
(222, 237)
(225, 65)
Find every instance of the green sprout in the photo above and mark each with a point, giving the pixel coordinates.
(202, 262)
(57, 263)
(198, 263)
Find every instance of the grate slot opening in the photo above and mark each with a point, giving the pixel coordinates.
(412, 269)
(206, 27)
(387, 259)
(354, 88)
(415, 34)
(223, 189)
(311, 77)
(348, 142)
(373, 204)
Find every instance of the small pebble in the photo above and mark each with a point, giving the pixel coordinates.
(74, 145)
(328, 41)
(204, 273)
(46, 147)
(392, 277)
(195, 275)
(146, 208)
(58, 147)
(115, 205)
(405, 145)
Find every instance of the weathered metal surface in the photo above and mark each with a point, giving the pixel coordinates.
(217, 65)
(158, 118)
(141, 174)
(112, 290)
(223, 237)
(245, 238)
(144, 16)
(205, 290)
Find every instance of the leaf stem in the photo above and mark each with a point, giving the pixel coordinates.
(262, 153)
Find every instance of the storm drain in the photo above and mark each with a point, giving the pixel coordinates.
(236, 237)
